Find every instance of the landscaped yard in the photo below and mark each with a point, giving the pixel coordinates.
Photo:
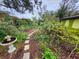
(51, 41)
(46, 35)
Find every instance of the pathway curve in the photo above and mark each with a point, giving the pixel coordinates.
(27, 45)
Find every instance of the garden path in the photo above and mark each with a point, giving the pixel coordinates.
(27, 44)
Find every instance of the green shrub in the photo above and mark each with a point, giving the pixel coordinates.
(21, 36)
(2, 34)
(42, 37)
(24, 27)
(19, 22)
(3, 31)
(6, 29)
(48, 54)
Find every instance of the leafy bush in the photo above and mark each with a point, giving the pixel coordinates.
(19, 22)
(48, 54)
(3, 31)
(24, 27)
(2, 34)
(12, 30)
(21, 36)
(42, 37)
(6, 29)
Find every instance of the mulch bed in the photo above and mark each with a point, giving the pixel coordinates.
(34, 49)
(66, 49)
(29, 31)
(64, 53)
(20, 51)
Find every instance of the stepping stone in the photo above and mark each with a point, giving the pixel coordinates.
(28, 37)
(26, 56)
(26, 47)
(31, 33)
(27, 41)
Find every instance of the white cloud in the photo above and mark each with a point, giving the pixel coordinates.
(53, 1)
(1, 1)
(51, 5)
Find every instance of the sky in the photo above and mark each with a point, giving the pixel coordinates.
(52, 5)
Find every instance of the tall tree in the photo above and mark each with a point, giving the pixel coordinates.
(67, 8)
(22, 5)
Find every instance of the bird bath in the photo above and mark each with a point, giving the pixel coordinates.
(9, 42)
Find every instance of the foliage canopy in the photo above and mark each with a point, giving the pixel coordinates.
(21, 5)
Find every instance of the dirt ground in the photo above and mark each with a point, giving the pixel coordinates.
(18, 54)
(66, 49)
(34, 50)
(64, 53)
